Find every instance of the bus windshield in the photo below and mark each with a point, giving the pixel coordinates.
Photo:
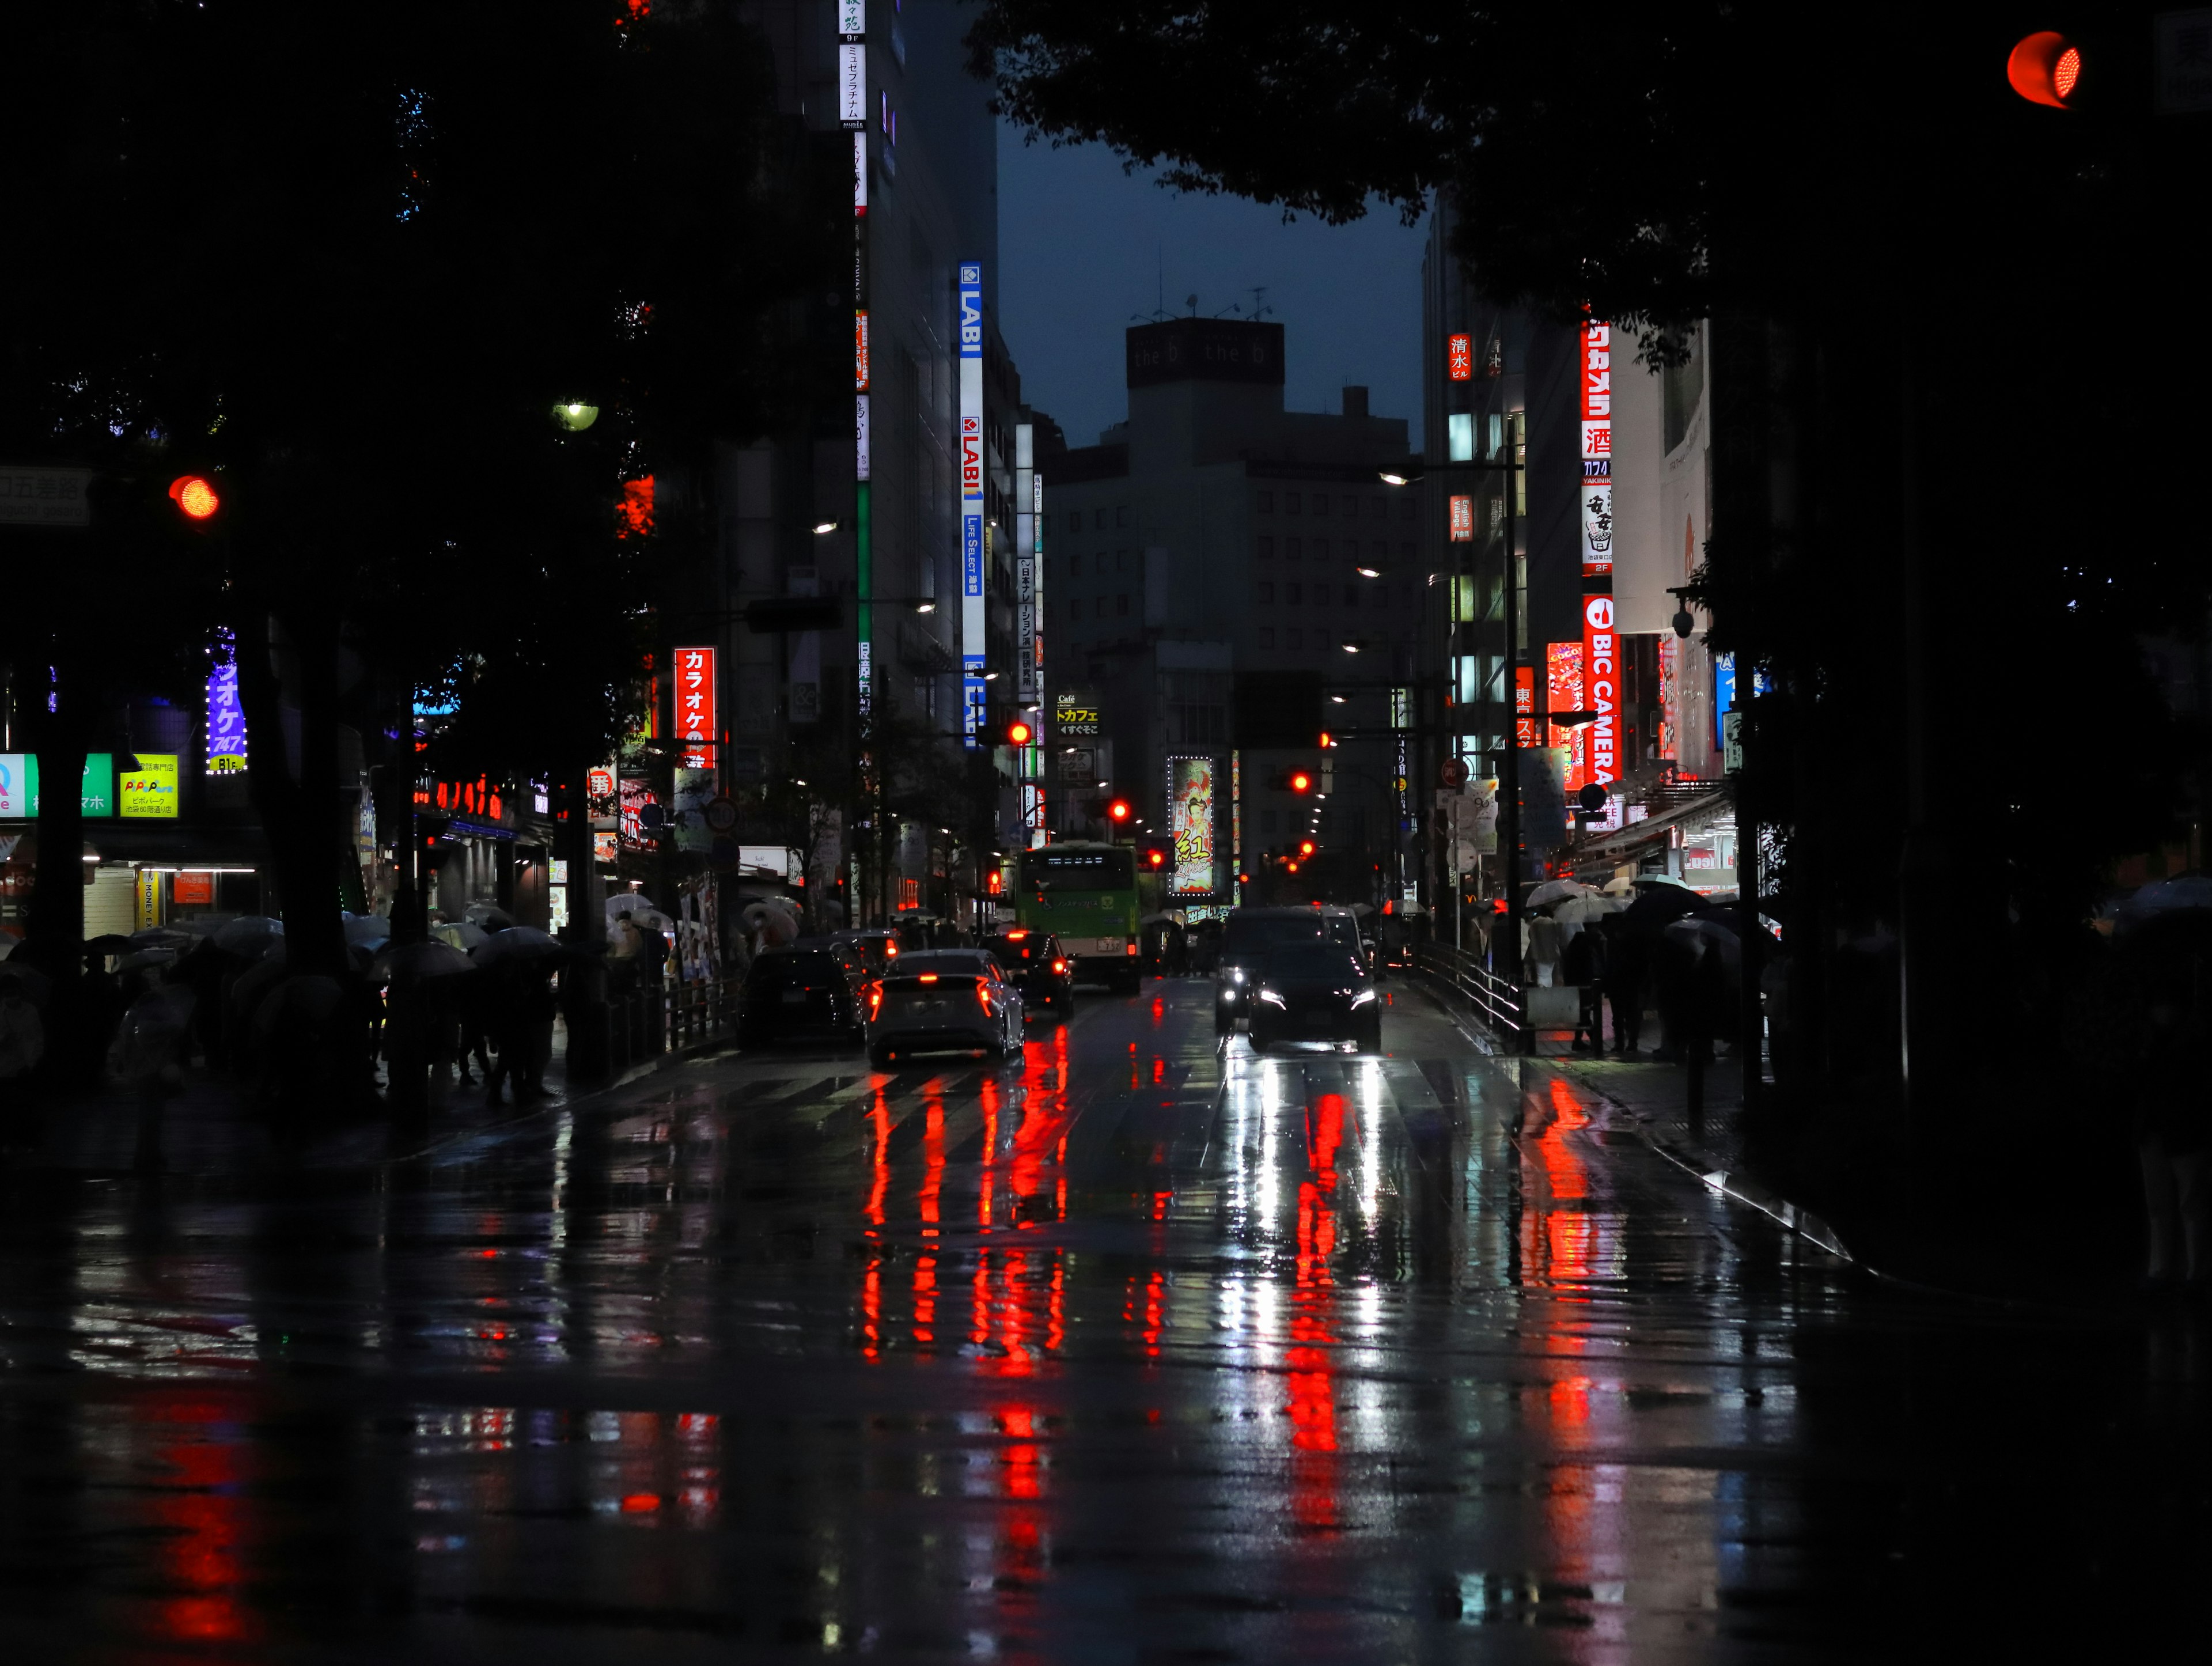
(1076, 867)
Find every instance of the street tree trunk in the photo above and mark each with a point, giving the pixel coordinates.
(299, 816)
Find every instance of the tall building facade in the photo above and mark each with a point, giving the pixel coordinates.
(1557, 455)
(1213, 561)
(864, 570)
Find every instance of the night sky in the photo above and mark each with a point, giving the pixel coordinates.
(1083, 246)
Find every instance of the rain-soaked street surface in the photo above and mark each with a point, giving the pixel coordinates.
(1131, 1352)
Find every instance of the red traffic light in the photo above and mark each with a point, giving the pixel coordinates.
(1300, 781)
(194, 495)
(1305, 847)
(1156, 859)
(1118, 809)
(1019, 733)
(2045, 68)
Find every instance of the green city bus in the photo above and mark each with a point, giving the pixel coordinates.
(1086, 894)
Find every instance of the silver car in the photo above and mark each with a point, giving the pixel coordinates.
(944, 1001)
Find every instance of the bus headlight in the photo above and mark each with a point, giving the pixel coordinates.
(1363, 998)
(1270, 998)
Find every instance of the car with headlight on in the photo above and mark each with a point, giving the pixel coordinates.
(1037, 965)
(1252, 938)
(938, 1001)
(1317, 991)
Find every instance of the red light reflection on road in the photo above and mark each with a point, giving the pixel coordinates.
(879, 1164)
(200, 1509)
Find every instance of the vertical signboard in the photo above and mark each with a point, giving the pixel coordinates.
(1034, 648)
(226, 717)
(861, 437)
(1459, 358)
(853, 84)
(15, 787)
(1024, 562)
(972, 553)
(1524, 706)
(1190, 813)
(696, 726)
(1600, 655)
(1563, 692)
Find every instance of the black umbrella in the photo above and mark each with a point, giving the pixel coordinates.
(111, 943)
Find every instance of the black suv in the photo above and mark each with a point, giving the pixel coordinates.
(794, 995)
(1253, 936)
(1033, 963)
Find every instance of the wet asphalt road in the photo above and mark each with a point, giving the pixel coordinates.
(1135, 1351)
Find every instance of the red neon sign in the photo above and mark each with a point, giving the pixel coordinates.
(694, 706)
(1524, 705)
(1460, 358)
(1462, 521)
(860, 352)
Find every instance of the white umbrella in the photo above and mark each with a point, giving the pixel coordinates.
(1664, 879)
(460, 933)
(491, 917)
(629, 901)
(1554, 891)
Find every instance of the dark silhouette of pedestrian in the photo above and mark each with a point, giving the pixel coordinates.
(1583, 965)
(1626, 959)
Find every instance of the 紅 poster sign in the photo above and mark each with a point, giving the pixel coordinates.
(1600, 647)
(1190, 805)
(694, 706)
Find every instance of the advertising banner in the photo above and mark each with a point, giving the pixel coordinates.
(19, 790)
(1524, 706)
(636, 793)
(860, 352)
(695, 725)
(1563, 692)
(226, 717)
(151, 790)
(853, 84)
(973, 552)
(1462, 521)
(1190, 810)
(1600, 656)
(1459, 358)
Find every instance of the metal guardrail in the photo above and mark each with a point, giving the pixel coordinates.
(649, 1019)
(1497, 1003)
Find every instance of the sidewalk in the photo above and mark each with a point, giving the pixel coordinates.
(2034, 1213)
(210, 1130)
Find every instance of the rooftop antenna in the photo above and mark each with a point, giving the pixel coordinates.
(1191, 301)
(1260, 307)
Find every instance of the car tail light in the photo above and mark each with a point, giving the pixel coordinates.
(1060, 965)
(1129, 949)
(983, 993)
(929, 977)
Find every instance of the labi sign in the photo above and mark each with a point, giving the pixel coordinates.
(19, 785)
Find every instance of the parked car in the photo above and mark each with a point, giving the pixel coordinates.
(802, 994)
(1253, 936)
(943, 1000)
(1315, 991)
(1033, 960)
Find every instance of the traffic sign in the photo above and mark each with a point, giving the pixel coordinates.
(721, 815)
(1454, 772)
